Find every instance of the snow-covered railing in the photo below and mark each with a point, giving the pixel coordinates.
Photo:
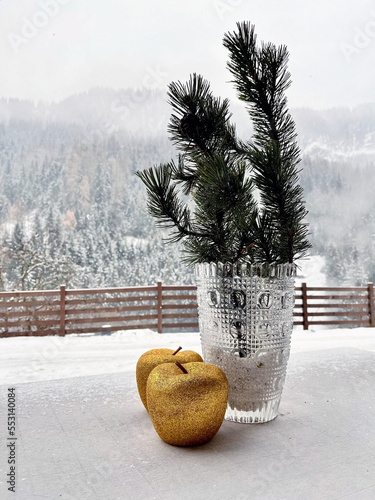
(160, 307)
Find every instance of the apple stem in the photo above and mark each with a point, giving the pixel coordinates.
(176, 351)
(181, 367)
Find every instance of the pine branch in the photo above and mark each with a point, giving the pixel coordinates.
(225, 207)
(219, 172)
(163, 202)
(261, 79)
(199, 125)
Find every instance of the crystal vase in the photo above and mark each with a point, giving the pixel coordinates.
(246, 322)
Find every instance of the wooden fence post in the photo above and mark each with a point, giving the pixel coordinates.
(304, 307)
(371, 308)
(160, 307)
(62, 310)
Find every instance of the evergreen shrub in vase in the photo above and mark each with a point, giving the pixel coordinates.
(238, 209)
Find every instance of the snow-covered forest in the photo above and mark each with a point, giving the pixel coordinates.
(73, 212)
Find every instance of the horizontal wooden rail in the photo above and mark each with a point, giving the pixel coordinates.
(160, 307)
(93, 291)
(335, 306)
(338, 313)
(20, 314)
(28, 303)
(93, 310)
(29, 293)
(179, 297)
(338, 323)
(337, 297)
(110, 319)
(112, 328)
(180, 315)
(111, 300)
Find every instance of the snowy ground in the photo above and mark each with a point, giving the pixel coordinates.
(29, 359)
(85, 437)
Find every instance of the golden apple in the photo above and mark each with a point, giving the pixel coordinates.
(187, 403)
(150, 359)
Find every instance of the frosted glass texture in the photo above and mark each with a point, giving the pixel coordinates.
(246, 322)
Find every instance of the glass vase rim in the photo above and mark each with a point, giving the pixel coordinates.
(260, 270)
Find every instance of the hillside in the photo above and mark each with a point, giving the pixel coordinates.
(72, 210)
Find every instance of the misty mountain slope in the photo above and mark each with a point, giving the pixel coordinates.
(99, 112)
(337, 134)
(72, 210)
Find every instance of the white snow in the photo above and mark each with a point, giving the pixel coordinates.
(310, 271)
(29, 359)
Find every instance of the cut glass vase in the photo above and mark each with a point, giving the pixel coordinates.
(246, 322)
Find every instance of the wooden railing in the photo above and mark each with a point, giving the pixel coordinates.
(160, 307)
(351, 306)
(61, 312)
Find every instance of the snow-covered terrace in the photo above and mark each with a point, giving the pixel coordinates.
(83, 433)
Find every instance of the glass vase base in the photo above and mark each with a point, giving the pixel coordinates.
(266, 412)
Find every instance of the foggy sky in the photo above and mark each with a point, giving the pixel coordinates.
(50, 49)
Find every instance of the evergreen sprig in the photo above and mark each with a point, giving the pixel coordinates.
(220, 172)
(199, 124)
(163, 200)
(223, 225)
(261, 79)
